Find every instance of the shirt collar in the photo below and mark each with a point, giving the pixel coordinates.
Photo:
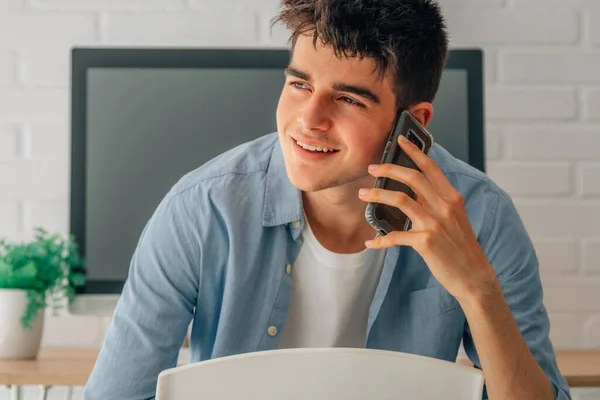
(283, 201)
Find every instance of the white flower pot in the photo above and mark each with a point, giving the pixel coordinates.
(17, 342)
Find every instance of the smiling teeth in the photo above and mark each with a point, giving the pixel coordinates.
(311, 148)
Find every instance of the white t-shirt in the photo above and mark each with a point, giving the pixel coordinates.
(331, 297)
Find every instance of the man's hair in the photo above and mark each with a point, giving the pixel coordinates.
(407, 36)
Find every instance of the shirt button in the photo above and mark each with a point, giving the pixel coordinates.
(296, 224)
(272, 331)
(288, 269)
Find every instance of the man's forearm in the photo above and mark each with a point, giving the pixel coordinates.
(510, 370)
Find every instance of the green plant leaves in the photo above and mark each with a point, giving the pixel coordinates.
(48, 268)
(77, 279)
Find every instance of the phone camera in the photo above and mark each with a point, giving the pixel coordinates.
(414, 139)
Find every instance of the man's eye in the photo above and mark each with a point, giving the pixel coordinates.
(352, 101)
(299, 85)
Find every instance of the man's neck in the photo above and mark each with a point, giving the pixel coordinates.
(337, 218)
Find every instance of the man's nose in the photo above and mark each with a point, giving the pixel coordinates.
(315, 115)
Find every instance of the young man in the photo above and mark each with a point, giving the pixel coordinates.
(264, 247)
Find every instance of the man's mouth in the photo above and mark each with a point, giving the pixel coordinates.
(316, 149)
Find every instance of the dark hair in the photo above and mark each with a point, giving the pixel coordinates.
(407, 36)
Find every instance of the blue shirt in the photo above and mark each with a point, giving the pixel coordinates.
(216, 252)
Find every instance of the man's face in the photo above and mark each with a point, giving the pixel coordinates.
(337, 104)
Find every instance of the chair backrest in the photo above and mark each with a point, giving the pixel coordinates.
(321, 374)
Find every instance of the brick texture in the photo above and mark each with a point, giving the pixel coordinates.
(557, 256)
(592, 105)
(26, 27)
(533, 179)
(46, 66)
(557, 67)
(545, 143)
(10, 143)
(8, 67)
(185, 28)
(516, 103)
(495, 25)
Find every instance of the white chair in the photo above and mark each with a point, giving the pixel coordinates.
(321, 374)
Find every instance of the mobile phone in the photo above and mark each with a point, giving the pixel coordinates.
(383, 218)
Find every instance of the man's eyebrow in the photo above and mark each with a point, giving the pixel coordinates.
(294, 72)
(342, 87)
(357, 90)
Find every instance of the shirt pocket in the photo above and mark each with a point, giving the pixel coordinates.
(431, 301)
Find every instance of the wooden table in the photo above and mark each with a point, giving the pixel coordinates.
(54, 367)
(72, 367)
(580, 368)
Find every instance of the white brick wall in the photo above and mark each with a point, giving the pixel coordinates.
(592, 105)
(517, 103)
(479, 24)
(8, 63)
(542, 105)
(9, 142)
(181, 28)
(34, 26)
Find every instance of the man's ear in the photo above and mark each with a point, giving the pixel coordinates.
(422, 113)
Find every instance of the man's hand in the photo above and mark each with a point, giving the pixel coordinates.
(441, 232)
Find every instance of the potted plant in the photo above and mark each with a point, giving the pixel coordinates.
(33, 276)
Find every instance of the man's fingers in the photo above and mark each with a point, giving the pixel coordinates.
(431, 170)
(400, 200)
(416, 240)
(413, 179)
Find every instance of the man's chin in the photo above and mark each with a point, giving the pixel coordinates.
(313, 184)
(306, 186)
(310, 184)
